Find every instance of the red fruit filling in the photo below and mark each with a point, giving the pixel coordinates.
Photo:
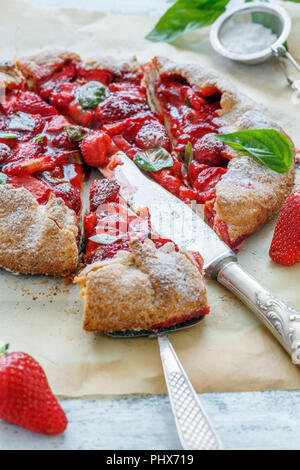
(102, 192)
(122, 120)
(38, 189)
(70, 195)
(96, 149)
(208, 150)
(29, 102)
(152, 134)
(40, 156)
(206, 182)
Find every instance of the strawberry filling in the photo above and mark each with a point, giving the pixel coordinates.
(110, 215)
(121, 120)
(183, 319)
(38, 189)
(35, 151)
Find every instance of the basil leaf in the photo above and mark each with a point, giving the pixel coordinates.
(22, 121)
(75, 133)
(39, 138)
(188, 101)
(4, 349)
(188, 154)
(268, 146)
(153, 159)
(3, 178)
(91, 94)
(186, 15)
(82, 234)
(6, 135)
(266, 1)
(104, 238)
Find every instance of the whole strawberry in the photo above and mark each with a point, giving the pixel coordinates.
(25, 396)
(285, 246)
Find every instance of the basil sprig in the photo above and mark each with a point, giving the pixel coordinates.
(188, 154)
(153, 159)
(40, 138)
(268, 146)
(91, 94)
(184, 16)
(104, 238)
(3, 178)
(188, 15)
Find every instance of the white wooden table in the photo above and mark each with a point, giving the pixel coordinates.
(261, 420)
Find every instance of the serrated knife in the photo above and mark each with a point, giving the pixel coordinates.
(173, 219)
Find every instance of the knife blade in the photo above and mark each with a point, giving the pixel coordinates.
(170, 217)
(173, 219)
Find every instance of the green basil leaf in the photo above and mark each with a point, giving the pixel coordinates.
(91, 94)
(104, 238)
(266, 1)
(6, 135)
(268, 146)
(188, 101)
(153, 159)
(22, 122)
(82, 234)
(186, 15)
(3, 178)
(4, 349)
(39, 138)
(76, 133)
(188, 154)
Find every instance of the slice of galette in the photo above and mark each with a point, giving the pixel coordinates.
(134, 279)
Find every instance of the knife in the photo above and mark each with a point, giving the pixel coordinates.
(173, 219)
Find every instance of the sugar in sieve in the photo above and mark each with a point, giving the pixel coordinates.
(263, 18)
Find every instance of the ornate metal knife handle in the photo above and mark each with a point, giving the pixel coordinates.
(194, 428)
(281, 319)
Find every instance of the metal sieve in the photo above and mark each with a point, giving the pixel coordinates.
(273, 17)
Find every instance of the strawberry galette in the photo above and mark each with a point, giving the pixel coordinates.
(61, 115)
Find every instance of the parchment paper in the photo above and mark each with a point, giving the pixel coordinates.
(230, 350)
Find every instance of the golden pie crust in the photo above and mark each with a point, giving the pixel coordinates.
(36, 239)
(32, 65)
(113, 65)
(141, 288)
(10, 77)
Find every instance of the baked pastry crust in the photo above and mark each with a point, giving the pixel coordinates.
(10, 77)
(249, 194)
(33, 66)
(141, 288)
(111, 64)
(36, 239)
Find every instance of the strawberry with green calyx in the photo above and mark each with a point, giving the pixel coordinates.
(25, 395)
(285, 246)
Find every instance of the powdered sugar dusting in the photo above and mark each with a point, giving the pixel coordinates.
(247, 38)
(141, 288)
(36, 239)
